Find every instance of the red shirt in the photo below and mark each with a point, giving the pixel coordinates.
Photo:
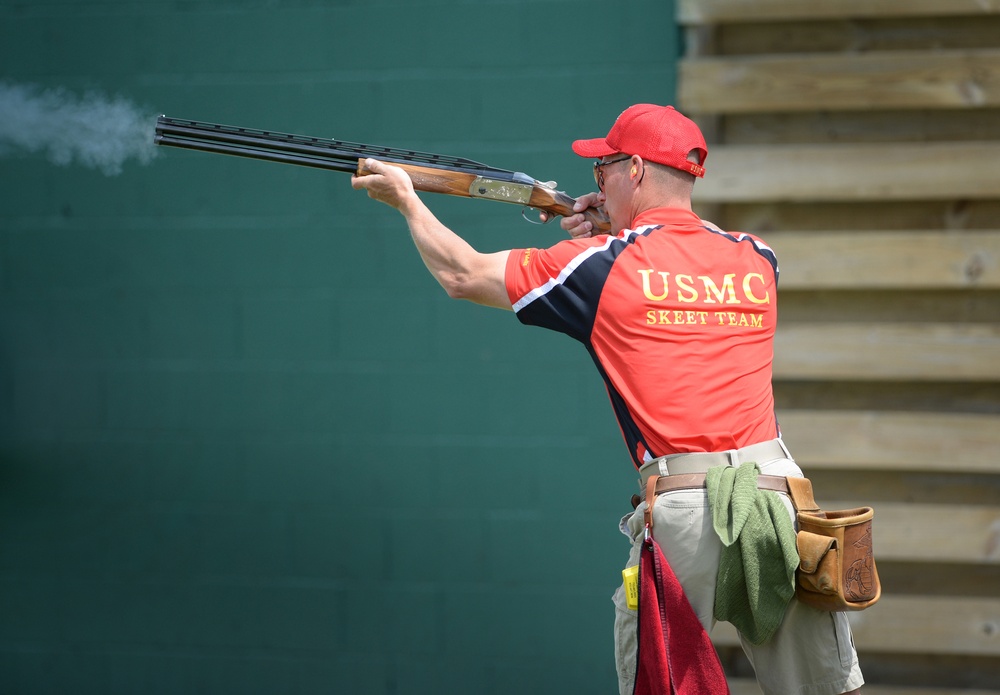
(679, 319)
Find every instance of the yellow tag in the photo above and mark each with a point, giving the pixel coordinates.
(630, 576)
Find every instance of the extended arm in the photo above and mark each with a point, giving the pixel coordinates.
(462, 271)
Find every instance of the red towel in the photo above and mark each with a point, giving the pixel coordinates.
(676, 657)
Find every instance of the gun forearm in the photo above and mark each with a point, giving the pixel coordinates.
(517, 188)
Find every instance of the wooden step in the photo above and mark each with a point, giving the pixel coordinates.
(765, 217)
(850, 172)
(840, 81)
(849, 35)
(913, 259)
(917, 624)
(709, 11)
(896, 441)
(906, 532)
(748, 686)
(905, 351)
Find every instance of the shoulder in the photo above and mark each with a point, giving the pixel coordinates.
(752, 241)
(564, 254)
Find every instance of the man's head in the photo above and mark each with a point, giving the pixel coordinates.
(650, 158)
(658, 134)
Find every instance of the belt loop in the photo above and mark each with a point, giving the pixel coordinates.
(662, 465)
(784, 448)
(734, 457)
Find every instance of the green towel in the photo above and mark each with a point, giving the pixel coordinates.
(757, 568)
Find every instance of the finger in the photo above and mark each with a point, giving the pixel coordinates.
(572, 222)
(372, 167)
(588, 200)
(578, 226)
(367, 167)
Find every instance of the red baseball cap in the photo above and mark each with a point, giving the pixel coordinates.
(658, 133)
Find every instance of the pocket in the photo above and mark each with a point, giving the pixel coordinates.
(845, 641)
(623, 525)
(782, 467)
(626, 640)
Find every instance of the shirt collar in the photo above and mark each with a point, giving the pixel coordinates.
(674, 217)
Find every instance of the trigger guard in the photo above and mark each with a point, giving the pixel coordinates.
(524, 214)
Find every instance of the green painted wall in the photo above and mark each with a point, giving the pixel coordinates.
(246, 443)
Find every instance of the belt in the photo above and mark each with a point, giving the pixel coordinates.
(696, 481)
(700, 462)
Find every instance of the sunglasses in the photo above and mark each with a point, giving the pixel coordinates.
(599, 172)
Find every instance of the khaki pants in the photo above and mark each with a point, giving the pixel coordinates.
(812, 652)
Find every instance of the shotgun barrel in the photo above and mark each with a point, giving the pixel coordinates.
(300, 149)
(429, 172)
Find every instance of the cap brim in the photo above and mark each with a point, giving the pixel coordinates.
(598, 147)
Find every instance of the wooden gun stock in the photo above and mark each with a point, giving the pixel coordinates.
(529, 193)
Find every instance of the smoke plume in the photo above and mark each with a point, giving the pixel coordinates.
(94, 130)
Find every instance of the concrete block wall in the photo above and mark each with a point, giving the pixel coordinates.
(246, 443)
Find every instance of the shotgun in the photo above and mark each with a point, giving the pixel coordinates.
(432, 173)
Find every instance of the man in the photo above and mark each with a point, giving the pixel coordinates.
(679, 318)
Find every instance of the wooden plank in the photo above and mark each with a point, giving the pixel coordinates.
(748, 686)
(908, 532)
(709, 11)
(863, 172)
(971, 306)
(765, 217)
(873, 487)
(840, 81)
(917, 624)
(852, 35)
(925, 125)
(906, 351)
(892, 440)
(917, 259)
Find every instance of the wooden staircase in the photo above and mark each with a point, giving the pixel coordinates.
(861, 139)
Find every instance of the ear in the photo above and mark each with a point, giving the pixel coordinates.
(638, 169)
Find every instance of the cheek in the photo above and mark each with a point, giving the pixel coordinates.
(611, 205)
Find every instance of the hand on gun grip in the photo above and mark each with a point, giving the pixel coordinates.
(577, 225)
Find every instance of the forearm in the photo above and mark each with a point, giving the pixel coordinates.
(463, 272)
